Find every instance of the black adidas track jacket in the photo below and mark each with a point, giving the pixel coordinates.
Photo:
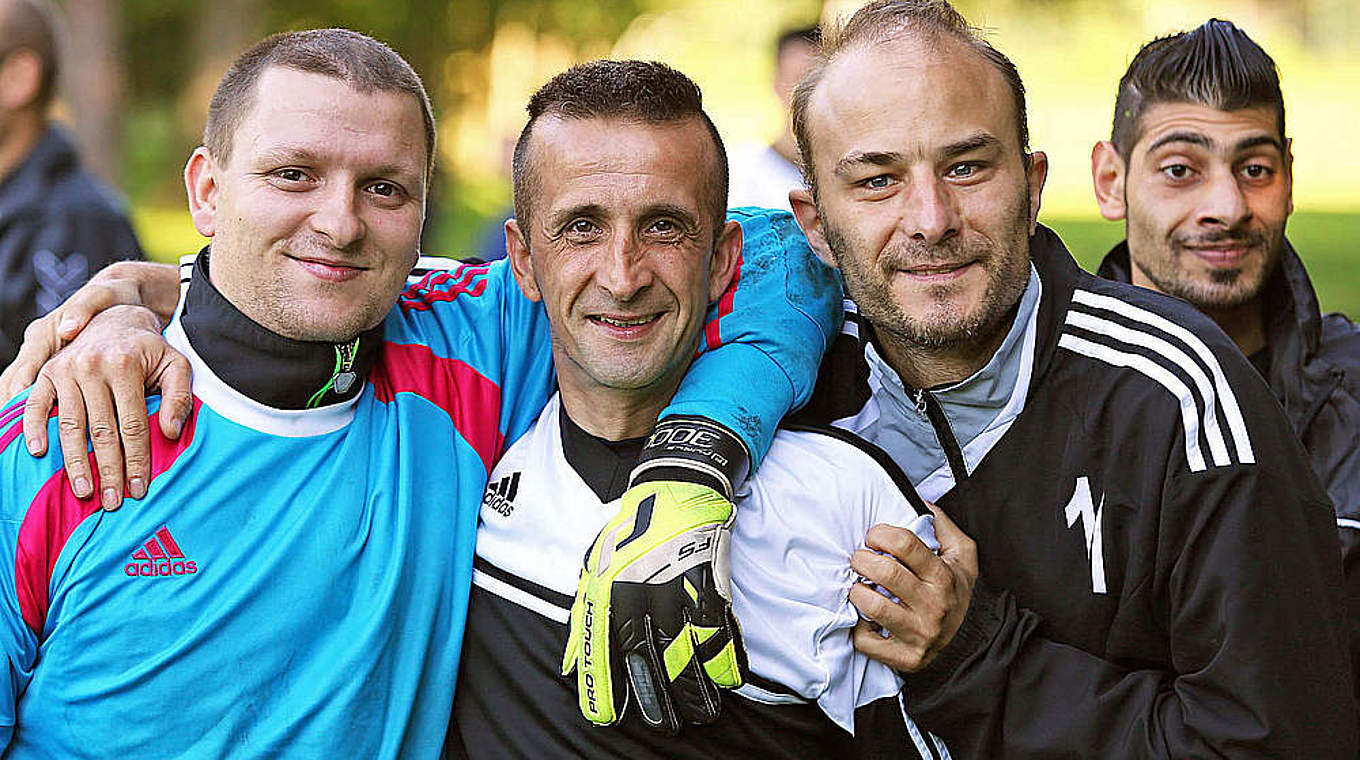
(1160, 572)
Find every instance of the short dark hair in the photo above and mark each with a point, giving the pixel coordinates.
(33, 25)
(645, 91)
(887, 20)
(1215, 65)
(807, 35)
(364, 63)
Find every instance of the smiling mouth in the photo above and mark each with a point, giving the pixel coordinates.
(327, 263)
(937, 271)
(1221, 253)
(329, 271)
(624, 322)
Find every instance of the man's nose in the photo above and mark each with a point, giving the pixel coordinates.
(1224, 204)
(337, 217)
(623, 270)
(931, 214)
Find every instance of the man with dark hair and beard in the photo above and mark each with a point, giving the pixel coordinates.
(1200, 169)
(1159, 571)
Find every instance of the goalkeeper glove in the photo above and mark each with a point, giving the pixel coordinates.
(652, 621)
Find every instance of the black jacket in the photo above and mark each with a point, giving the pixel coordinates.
(1314, 371)
(1159, 564)
(58, 226)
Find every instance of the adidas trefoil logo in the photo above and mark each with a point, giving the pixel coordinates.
(160, 557)
(500, 495)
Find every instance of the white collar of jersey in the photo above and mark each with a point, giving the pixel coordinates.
(236, 406)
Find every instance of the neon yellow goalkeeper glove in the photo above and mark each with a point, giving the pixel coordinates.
(652, 622)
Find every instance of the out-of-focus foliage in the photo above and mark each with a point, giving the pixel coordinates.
(481, 59)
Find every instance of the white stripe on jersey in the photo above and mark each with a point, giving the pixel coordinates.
(522, 598)
(1346, 522)
(850, 327)
(1217, 446)
(1168, 380)
(1231, 411)
(923, 744)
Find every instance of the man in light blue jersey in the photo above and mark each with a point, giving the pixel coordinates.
(305, 543)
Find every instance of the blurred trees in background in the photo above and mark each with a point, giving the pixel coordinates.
(140, 73)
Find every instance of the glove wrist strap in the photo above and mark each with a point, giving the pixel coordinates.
(694, 450)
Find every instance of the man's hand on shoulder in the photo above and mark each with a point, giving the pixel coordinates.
(652, 622)
(99, 383)
(127, 283)
(932, 593)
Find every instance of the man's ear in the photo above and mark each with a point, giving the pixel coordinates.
(20, 79)
(200, 182)
(517, 250)
(1108, 176)
(810, 219)
(1289, 171)
(726, 253)
(1036, 175)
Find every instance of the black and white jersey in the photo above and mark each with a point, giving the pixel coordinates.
(809, 693)
(1160, 572)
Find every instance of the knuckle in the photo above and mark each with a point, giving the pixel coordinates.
(935, 614)
(873, 604)
(103, 434)
(114, 273)
(35, 329)
(70, 424)
(913, 660)
(132, 426)
(119, 358)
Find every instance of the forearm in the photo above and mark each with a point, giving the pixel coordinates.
(764, 340)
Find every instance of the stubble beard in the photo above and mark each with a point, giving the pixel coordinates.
(1226, 288)
(947, 326)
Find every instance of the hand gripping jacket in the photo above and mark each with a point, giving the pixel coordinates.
(331, 548)
(1160, 574)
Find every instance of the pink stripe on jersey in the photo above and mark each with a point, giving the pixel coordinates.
(10, 415)
(168, 542)
(467, 279)
(471, 400)
(56, 512)
(9, 435)
(712, 336)
(16, 404)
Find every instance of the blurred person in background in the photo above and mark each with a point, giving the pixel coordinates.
(763, 175)
(58, 224)
(1199, 167)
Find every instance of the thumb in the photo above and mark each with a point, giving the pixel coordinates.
(956, 547)
(173, 375)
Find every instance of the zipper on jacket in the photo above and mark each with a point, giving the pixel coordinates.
(926, 404)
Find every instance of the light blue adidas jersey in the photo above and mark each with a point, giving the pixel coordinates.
(295, 582)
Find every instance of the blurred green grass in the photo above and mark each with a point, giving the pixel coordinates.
(1326, 241)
